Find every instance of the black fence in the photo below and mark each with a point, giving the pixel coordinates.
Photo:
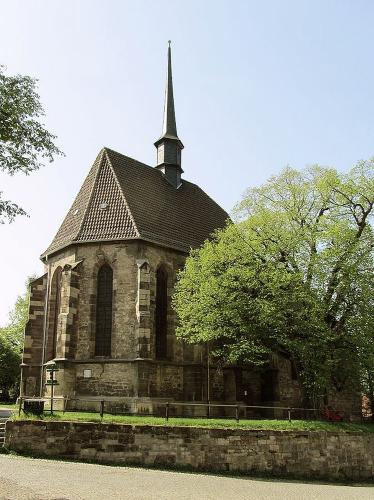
(242, 412)
(172, 409)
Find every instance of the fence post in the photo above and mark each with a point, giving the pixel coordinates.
(208, 409)
(289, 414)
(167, 411)
(237, 413)
(102, 408)
(20, 406)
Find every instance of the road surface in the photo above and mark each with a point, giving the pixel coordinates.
(36, 479)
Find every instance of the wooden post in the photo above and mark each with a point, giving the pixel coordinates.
(102, 403)
(208, 379)
(237, 413)
(52, 389)
(167, 411)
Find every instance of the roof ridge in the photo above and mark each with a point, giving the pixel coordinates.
(154, 169)
(122, 193)
(105, 148)
(99, 159)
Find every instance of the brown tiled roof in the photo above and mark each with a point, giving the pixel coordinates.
(124, 199)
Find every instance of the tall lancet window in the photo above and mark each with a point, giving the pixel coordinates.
(161, 313)
(103, 339)
(54, 312)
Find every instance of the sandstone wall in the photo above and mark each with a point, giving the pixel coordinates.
(329, 455)
(134, 267)
(33, 344)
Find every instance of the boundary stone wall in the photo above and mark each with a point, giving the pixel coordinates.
(324, 455)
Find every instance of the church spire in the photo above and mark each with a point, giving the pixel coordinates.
(169, 126)
(169, 147)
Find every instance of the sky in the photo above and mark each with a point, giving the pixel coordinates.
(258, 85)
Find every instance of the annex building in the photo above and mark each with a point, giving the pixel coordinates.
(102, 310)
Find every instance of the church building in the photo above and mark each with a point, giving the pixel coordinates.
(102, 311)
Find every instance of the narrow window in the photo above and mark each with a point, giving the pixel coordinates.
(161, 313)
(104, 311)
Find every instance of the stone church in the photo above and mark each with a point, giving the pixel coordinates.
(102, 310)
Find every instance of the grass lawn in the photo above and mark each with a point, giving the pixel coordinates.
(11, 406)
(302, 425)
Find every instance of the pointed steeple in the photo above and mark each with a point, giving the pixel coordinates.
(169, 146)
(169, 126)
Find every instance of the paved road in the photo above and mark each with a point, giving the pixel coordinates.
(35, 479)
(5, 413)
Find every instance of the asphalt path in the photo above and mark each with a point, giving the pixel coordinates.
(36, 479)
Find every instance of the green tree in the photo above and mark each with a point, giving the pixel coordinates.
(11, 345)
(24, 142)
(294, 274)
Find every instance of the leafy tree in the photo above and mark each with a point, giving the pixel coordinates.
(294, 274)
(11, 345)
(24, 141)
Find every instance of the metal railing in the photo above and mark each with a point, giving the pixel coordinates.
(241, 411)
(186, 410)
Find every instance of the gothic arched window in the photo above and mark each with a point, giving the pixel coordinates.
(54, 312)
(103, 339)
(161, 313)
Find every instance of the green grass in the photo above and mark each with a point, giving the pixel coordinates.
(11, 406)
(301, 425)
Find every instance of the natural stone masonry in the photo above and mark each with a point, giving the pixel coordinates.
(329, 455)
(33, 344)
(4, 415)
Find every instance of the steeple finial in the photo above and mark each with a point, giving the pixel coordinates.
(169, 146)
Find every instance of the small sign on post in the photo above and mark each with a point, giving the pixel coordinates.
(51, 369)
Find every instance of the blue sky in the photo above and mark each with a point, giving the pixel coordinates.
(258, 85)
